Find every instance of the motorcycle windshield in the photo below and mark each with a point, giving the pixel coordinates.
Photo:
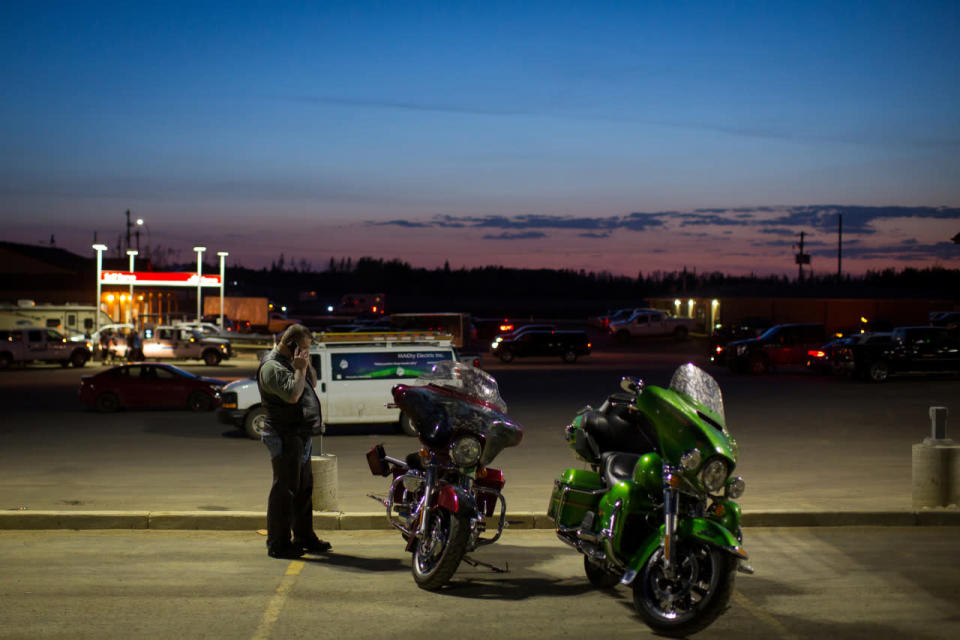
(465, 380)
(700, 387)
(469, 400)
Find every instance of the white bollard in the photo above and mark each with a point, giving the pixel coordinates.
(936, 466)
(325, 482)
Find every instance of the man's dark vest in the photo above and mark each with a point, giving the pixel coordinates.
(283, 418)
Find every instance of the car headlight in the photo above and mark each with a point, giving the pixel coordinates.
(735, 487)
(714, 474)
(494, 344)
(690, 460)
(465, 452)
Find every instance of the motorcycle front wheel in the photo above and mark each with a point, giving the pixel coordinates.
(694, 598)
(438, 554)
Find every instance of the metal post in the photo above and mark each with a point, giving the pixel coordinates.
(223, 281)
(99, 248)
(131, 253)
(199, 251)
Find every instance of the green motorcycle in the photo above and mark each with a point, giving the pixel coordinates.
(656, 509)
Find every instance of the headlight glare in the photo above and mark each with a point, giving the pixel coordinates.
(735, 487)
(465, 451)
(714, 474)
(690, 460)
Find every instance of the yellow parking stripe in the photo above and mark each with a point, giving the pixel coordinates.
(279, 598)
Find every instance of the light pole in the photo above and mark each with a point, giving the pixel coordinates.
(99, 248)
(223, 281)
(199, 251)
(131, 253)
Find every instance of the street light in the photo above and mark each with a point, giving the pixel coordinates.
(223, 281)
(142, 223)
(99, 248)
(199, 251)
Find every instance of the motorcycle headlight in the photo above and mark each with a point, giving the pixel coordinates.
(735, 487)
(691, 459)
(714, 474)
(465, 452)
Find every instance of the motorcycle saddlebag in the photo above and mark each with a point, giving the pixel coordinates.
(575, 492)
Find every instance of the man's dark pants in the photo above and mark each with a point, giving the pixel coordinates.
(290, 505)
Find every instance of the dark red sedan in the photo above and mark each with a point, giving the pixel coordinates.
(149, 385)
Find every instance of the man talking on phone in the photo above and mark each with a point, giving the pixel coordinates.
(286, 381)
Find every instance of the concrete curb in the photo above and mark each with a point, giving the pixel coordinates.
(331, 521)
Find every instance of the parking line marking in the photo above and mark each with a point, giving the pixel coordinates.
(272, 613)
(763, 616)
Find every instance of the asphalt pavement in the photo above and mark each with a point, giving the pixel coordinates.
(814, 450)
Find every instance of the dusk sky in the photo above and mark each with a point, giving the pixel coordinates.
(619, 136)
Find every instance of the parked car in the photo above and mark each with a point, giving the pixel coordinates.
(945, 319)
(843, 357)
(517, 332)
(39, 344)
(569, 345)
(185, 344)
(149, 385)
(651, 323)
(742, 329)
(780, 345)
(911, 350)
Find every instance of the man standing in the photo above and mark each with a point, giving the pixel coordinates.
(286, 381)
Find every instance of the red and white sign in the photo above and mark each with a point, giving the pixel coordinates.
(157, 279)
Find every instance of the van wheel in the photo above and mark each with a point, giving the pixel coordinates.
(570, 356)
(78, 359)
(211, 357)
(199, 401)
(505, 355)
(680, 334)
(107, 402)
(254, 423)
(407, 427)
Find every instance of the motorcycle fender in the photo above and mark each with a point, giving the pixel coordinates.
(712, 533)
(646, 549)
(707, 531)
(456, 500)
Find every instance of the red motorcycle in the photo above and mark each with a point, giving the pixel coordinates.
(444, 497)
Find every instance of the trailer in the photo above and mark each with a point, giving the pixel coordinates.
(70, 318)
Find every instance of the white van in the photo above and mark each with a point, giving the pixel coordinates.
(355, 373)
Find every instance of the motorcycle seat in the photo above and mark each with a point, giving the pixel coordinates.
(617, 466)
(618, 426)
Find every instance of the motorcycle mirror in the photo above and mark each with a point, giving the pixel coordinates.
(631, 385)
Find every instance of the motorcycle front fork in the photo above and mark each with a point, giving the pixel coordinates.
(671, 505)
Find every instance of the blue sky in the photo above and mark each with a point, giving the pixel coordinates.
(313, 128)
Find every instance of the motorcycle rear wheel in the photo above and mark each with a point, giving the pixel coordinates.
(436, 558)
(691, 602)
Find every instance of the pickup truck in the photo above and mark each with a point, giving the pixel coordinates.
(184, 344)
(921, 349)
(39, 344)
(569, 345)
(651, 322)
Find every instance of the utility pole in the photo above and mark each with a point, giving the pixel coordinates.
(802, 259)
(840, 248)
(128, 228)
